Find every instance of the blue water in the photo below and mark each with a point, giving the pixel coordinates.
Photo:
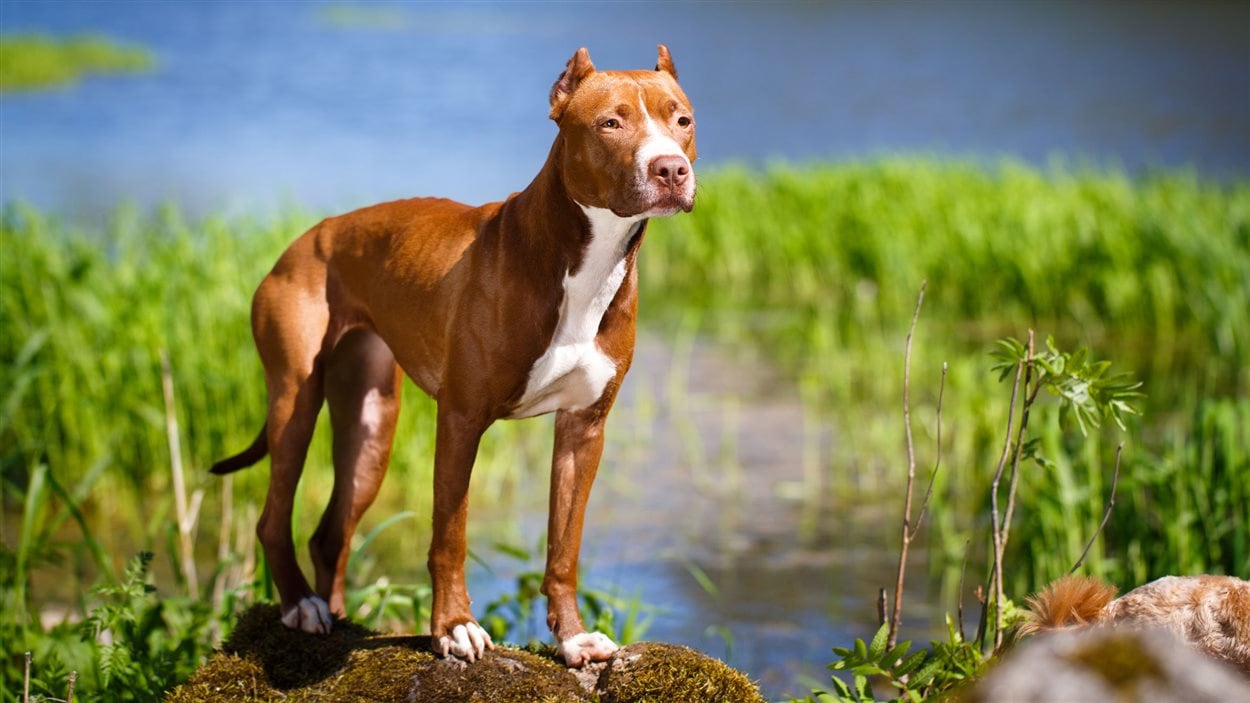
(257, 106)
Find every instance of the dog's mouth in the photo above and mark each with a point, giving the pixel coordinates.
(659, 204)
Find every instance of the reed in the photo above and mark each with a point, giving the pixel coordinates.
(811, 269)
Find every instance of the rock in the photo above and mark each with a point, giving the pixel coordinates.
(654, 672)
(262, 660)
(1109, 664)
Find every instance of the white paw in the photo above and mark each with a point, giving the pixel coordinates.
(468, 641)
(587, 647)
(310, 614)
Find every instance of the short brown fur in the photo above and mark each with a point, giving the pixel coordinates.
(463, 300)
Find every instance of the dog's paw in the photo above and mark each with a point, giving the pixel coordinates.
(310, 614)
(468, 641)
(587, 647)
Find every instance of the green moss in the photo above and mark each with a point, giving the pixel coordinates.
(1119, 659)
(264, 661)
(29, 62)
(652, 672)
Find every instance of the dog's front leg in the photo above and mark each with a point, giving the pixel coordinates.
(578, 447)
(452, 627)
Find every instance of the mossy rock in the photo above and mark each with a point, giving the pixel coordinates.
(654, 672)
(264, 661)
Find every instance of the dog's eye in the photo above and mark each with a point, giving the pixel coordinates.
(610, 123)
(683, 121)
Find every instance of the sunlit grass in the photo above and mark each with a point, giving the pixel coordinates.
(812, 270)
(815, 269)
(30, 62)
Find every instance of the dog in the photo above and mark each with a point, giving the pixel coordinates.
(508, 310)
(1212, 613)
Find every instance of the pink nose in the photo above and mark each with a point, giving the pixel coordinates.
(671, 171)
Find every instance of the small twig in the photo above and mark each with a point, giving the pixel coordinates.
(937, 464)
(963, 569)
(1020, 437)
(996, 577)
(26, 681)
(881, 607)
(186, 548)
(69, 697)
(897, 615)
(1115, 479)
(983, 617)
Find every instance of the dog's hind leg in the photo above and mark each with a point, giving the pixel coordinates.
(362, 390)
(290, 320)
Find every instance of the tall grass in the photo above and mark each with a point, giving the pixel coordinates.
(815, 269)
(812, 269)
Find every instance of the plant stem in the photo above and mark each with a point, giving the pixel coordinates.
(1030, 396)
(897, 615)
(1115, 480)
(186, 549)
(996, 577)
(69, 696)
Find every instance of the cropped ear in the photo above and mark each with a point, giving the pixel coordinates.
(665, 62)
(574, 73)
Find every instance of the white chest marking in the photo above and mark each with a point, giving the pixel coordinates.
(572, 373)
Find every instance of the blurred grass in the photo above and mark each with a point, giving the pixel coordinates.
(816, 269)
(810, 269)
(29, 62)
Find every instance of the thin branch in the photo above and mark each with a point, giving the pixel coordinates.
(996, 577)
(963, 568)
(897, 615)
(937, 464)
(1020, 437)
(69, 697)
(26, 681)
(1115, 480)
(881, 599)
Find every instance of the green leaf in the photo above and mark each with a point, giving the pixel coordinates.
(910, 663)
(926, 673)
(862, 688)
(879, 640)
(861, 650)
(894, 655)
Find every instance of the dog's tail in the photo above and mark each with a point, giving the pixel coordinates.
(254, 453)
(1066, 602)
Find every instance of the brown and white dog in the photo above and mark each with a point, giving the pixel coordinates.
(508, 310)
(1210, 612)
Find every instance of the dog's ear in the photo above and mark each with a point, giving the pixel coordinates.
(574, 73)
(665, 62)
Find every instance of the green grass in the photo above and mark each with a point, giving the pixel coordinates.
(29, 62)
(813, 270)
(816, 269)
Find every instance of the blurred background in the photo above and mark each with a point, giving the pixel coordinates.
(1078, 168)
(336, 106)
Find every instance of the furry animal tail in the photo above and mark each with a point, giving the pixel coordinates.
(1066, 602)
(254, 453)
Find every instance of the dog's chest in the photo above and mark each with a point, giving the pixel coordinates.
(572, 373)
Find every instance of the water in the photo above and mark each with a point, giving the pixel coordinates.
(258, 106)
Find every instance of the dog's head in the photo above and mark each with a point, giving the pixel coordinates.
(628, 137)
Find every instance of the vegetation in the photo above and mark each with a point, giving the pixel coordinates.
(813, 268)
(29, 62)
(818, 266)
